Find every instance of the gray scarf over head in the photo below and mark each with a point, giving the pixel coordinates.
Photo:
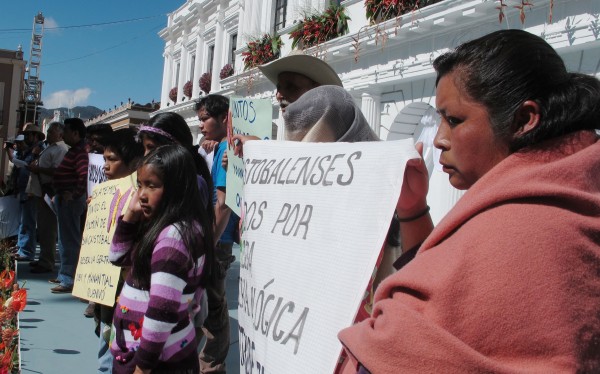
(326, 114)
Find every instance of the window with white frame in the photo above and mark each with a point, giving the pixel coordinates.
(280, 14)
(211, 58)
(192, 64)
(232, 49)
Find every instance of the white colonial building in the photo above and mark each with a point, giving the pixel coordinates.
(386, 67)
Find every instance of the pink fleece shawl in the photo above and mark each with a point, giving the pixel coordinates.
(508, 282)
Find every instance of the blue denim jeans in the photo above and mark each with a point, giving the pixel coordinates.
(105, 357)
(27, 229)
(69, 236)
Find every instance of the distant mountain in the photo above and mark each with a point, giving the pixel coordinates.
(84, 112)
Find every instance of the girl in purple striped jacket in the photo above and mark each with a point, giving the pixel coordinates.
(167, 239)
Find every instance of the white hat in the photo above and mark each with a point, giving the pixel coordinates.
(20, 138)
(309, 66)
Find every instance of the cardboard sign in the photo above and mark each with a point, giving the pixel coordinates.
(314, 220)
(249, 117)
(96, 278)
(95, 171)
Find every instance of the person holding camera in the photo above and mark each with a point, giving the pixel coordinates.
(40, 185)
(28, 151)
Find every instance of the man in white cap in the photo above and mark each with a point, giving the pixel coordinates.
(297, 73)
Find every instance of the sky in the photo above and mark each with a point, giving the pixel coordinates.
(97, 53)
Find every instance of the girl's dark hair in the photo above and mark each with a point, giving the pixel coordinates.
(504, 69)
(175, 125)
(124, 144)
(181, 205)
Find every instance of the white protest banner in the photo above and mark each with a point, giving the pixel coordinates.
(95, 171)
(315, 218)
(10, 213)
(96, 278)
(249, 117)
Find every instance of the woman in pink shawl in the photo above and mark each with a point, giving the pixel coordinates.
(509, 281)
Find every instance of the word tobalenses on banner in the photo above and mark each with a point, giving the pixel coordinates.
(315, 216)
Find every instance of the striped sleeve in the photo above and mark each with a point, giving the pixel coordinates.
(169, 267)
(122, 243)
(81, 168)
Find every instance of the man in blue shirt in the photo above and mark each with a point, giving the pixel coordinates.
(212, 112)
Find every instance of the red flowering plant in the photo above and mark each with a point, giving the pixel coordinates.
(261, 51)
(383, 10)
(227, 71)
(319, 28)
(205, 82)
(187, 88)
(13, 300)
(173, 94)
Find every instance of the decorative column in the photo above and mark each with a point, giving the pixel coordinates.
(183, 64)
(215, 84)
(370, 106)
(266, 17)
(241, 19)
(182, 75)
(168, 68)
(198, 63)
(167, 74)
(241, 30)
(254, 30)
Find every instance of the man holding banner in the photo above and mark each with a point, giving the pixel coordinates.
(213, 114)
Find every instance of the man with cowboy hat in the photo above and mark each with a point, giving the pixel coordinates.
(297, 73)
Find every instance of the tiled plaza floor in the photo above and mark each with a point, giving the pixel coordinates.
(56, 338)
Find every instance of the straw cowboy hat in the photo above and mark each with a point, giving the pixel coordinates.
(309, 66)
(30, 127)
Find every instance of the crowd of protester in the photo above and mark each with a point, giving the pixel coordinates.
(506, 282)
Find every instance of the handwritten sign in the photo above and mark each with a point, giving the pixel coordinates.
(315, 218)
(96, 278)
(95, 171)
(248, 117)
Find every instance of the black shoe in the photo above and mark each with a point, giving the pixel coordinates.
(34, 263)
(54, 281)
(89, 310)
(40, 270)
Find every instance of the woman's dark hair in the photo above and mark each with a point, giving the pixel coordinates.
(504, 69)
(124, 144)
(181, 205)
(175, 125)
